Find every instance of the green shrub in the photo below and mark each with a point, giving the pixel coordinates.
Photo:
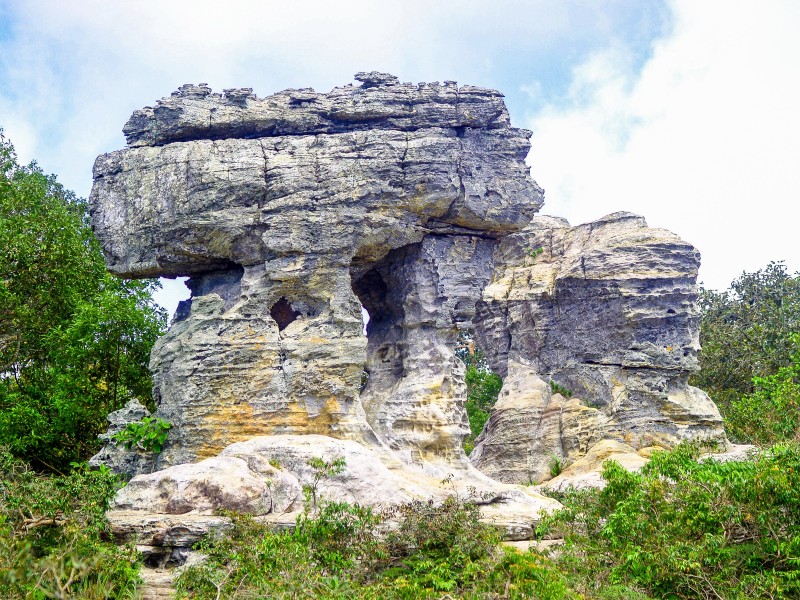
(556, 465)
(557, 388)
(321, 469)
(148, 435)
(771, 413)
(687, 529)
(483, 386)
(749, 354)
(419, 550)
(54, 539)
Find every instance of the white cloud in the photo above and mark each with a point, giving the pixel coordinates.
(703, 140)
(75, 71)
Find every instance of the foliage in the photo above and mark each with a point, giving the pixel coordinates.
(147, 435)
(54, 537)
(534, 252)
(683, 528)
(74, 341)
(746, 331)
(771, 413)
(556, 465)
(557, 388)
(483, 387)
(322, 469)
(345, 551)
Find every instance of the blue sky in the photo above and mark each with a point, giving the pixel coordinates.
(683, 111)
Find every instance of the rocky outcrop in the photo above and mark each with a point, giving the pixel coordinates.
(289, 213)
(595, 330)
(271, 478)
(292, 213)
(116, 456)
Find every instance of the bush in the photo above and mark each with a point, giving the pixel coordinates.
(419, 550)
(771, 413)
(483, 387)
(687, 529)
(746, 332)
(54, 539)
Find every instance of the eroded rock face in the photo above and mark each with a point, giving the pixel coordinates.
(289, 213)
(606, 314)
(115, 456)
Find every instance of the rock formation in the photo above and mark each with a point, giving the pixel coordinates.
(289, 213)
(292, 212)
(595, 336)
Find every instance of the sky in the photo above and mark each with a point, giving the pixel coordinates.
(683, 111)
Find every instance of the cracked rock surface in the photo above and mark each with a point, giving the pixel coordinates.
(290, 214)
(595, 336)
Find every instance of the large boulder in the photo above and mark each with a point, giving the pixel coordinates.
(290, 215)
(274, 479)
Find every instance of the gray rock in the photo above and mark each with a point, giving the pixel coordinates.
(381, 102)
(168, 511)
(292, 212)
(608, 312)
(116, 456)
(288, 214)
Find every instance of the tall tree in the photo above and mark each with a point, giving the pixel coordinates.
(749, 361)
(74, 341)
(746, 330)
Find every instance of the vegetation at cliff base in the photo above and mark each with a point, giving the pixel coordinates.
(415, 551)
(686, 528)
(74, 341)
(54, 539)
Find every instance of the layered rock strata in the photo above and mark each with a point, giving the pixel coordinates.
(289, 213)
(595, 330)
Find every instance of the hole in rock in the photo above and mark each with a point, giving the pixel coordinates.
(364, 319)
(283, 313)
(371, 291)
(382, 319)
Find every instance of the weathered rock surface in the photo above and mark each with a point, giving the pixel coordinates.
(586, 471)
(289, 214)
(166, 512)
(292, 212)
(605, 313)
(115, 456)
(380, 102)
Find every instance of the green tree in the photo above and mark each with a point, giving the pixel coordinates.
(74, 341)
(771, 413)
(746, 332)
(483, 387)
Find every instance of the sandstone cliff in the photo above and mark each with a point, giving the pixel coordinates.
(292, 212)
(289, 213)
(595, 336)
